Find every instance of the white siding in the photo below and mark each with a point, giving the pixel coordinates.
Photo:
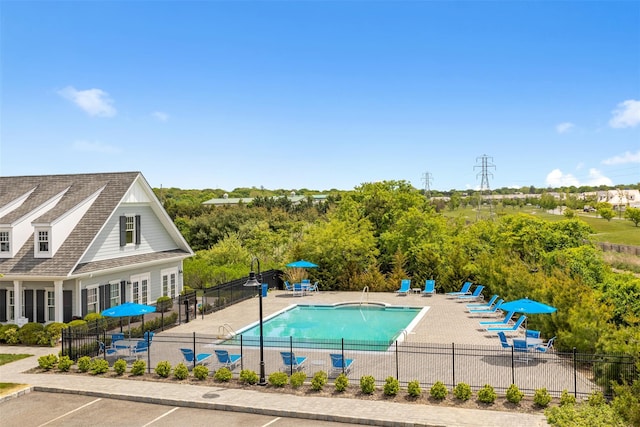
(153, 237)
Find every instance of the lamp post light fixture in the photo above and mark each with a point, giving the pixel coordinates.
(255, 280)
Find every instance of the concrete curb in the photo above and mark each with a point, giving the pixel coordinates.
(16, 393)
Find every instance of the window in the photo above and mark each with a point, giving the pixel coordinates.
(92, 300)
(145, 291)
(51, 306)
(43, 241)
(114, 294)
(130, 229)
(173, 284)
(169, 282)
(135, 286)
(165, 286)
(4, 241)
(12, 306)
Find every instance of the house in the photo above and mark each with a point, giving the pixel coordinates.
(77, 244)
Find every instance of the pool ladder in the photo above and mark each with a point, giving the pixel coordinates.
(365, 291)
(225, 331)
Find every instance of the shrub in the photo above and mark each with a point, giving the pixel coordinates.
(181, 371)
(120, 366)
(8, 330)
(341, 383)
(43, 338)
(201, 372)
(439, 391)
(78, 325)
(413, 388)
(297, 379)
(163, 368)
(64, 363)
(487, 394)
(278, 379)
(462, 391)
(627, 401)
(367, 384)
(247, 376)
(54, 331)
(84, 363)
(138, 367)
(596, 398)
(99, 366)
(28, 334)
(584, 415)
(391, 386)
(566, 398)
(223, 375)
(514, 395)
(48, 361)
(541, 397)
(319, 380)
(164, 304)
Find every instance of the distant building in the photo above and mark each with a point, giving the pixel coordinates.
(229, 201)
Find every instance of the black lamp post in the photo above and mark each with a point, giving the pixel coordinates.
(256, 281)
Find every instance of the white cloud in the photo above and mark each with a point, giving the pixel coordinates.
(627, 157)
(564, 127)
(94, 102)
(159, 115)
(627, 115)
(95, 147)
(556, 178)
(596, 178)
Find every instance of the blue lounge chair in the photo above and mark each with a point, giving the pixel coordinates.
(463, 291)
(477, 294)
(543, 348)
(287, 286)
(532, 334)
(429, 287)
(298, 289)
(483, 305)
(292, 363)
(340, 365)
(487, 311)
(503, 340)
(512, 328)
(199, 359)
(107, 351)
(405, 287)
(227, 360)
(503, 322)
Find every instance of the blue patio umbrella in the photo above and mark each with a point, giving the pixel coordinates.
(129, 309)
(302, 264)
(527, 306)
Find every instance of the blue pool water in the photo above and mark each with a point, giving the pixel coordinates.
(326, 322)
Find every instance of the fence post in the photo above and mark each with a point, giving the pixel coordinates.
(575, 374)
(453, 364)
(241, 354)
(513, 367)
(291, 350)
(397, 364)
(342, 350)
(194, 349)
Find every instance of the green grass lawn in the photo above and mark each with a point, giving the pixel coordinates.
(620, 231)
(7, 358)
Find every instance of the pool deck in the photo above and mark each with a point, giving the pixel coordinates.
(445, 322)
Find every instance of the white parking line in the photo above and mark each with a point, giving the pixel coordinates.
(71, 412)
(161, 416)
(271, 422)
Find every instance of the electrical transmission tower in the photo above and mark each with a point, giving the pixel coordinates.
(427, 178)
(486, 163)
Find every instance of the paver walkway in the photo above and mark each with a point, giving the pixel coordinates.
(321, 408)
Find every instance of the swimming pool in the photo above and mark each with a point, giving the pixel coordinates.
(351, 322)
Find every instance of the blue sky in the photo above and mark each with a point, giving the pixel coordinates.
(322, 94)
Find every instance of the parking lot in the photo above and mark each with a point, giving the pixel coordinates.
(37, 409)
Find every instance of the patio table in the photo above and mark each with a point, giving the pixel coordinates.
(124, 347)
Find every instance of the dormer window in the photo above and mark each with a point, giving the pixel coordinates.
(5, 244)
(43, 241)
(129, 230)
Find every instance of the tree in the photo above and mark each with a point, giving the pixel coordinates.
(547, 201)
(633, 215)
(605, 210)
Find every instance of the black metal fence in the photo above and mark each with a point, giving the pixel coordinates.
(578, 373)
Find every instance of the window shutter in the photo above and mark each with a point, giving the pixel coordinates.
(104, 301)
(83, 295)
(67, 306)
(28, 305)
(123, 290)
(3, 305)
(40, 306)
(138, 229)
(123, 230)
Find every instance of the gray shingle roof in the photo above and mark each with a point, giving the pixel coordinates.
(79, 187)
